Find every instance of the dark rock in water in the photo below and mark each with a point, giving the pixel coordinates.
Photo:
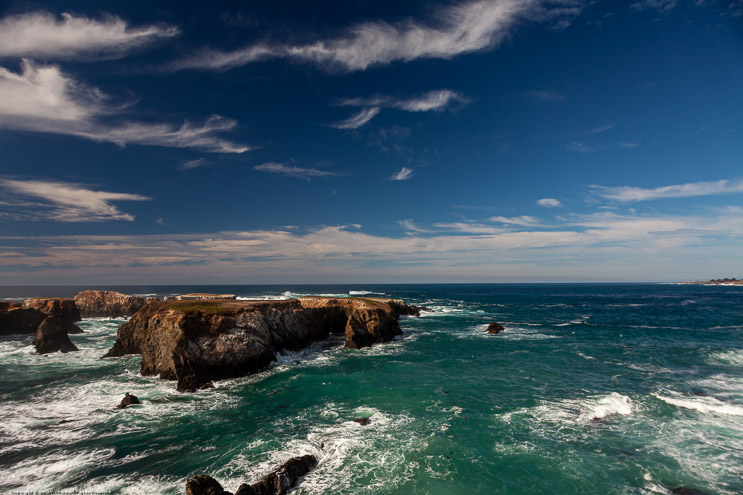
(128, 400)
(202, 484)
(282, 479)
(51, 336)
(107, 303)
(16, 320)
(63, 307)
(362, 421)
(495, 328)
(197, 342)
(686, 491)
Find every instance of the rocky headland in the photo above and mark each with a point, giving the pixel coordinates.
(196, 342)
(49, 320)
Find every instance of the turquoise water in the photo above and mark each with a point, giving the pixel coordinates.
(592, 389)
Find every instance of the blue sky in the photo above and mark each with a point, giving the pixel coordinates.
(361, 142)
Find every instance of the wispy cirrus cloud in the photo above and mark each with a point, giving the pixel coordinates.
(546, 96)
(523, 220)
(660, 5)
(405, 173)
(293, 171)
(549, 203)
(43, 35)
(449, 31)
(597, 246)
(357, 120)
(625, 194)
(42, 98)
(432, 101)
(62, 201)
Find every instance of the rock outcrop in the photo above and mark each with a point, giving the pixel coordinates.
(64, 307)
(278, 482)
(107, 303)
(195, 342)
(495, 328)
(51, 336)
(14, 319)
(128, 400)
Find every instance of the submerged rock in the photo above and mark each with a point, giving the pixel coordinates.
(201, 484)
(686, 491)
(128, 400)
(51, 336)
(63, 307)
(195, 342)
(362, 421)
(279, 481)
(495, 328)
(107, 303)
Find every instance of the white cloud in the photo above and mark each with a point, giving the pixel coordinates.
(191, 164)
(357, 120)
(549, 203)
(522, 220)
(42, 35)
(65, 202)
(292, 171)
(599, 246)
(436, 100)
(453, 30)
(626, 194)
(546, 96)
(431, 101)
(405, 173)
(579, 147)
(42, 98)
(602, 128)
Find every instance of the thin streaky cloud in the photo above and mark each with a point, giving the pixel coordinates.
(660, 5)
(65, 202)
(43, 35)
(293, 171)
(549, 203)
(191, 164)
(450, 31)
(405, 173)
(436, 100)
(625, 194)
(523, 220)
(357, 120)
(546, 96)
(42, 98)
(600, 129)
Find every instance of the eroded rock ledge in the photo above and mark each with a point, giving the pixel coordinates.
(195, 342)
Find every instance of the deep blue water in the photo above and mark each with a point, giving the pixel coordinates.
(592, 389)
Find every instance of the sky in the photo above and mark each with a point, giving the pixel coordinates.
(257, 142)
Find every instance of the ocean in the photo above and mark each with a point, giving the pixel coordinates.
(591, 389)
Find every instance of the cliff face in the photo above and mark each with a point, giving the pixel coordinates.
(65, 308)
(107, 303)
(197, 342)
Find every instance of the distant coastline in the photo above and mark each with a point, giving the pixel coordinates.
(718, 281)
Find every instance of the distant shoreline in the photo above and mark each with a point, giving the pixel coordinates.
(723, 281)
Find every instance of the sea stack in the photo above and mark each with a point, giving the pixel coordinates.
(195, 342)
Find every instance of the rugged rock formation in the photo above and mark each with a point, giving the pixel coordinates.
(64, 307)
(195, 342)
(362, 421)
(203, 296)
(16, 320)
(51, 336)
(128, 400)
(278, 482)
(495, 328)
(107, 303)
(686, 491)
(201, 484)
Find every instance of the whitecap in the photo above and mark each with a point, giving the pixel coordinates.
(705, 405)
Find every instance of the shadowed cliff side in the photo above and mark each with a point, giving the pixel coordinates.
(195, 342)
